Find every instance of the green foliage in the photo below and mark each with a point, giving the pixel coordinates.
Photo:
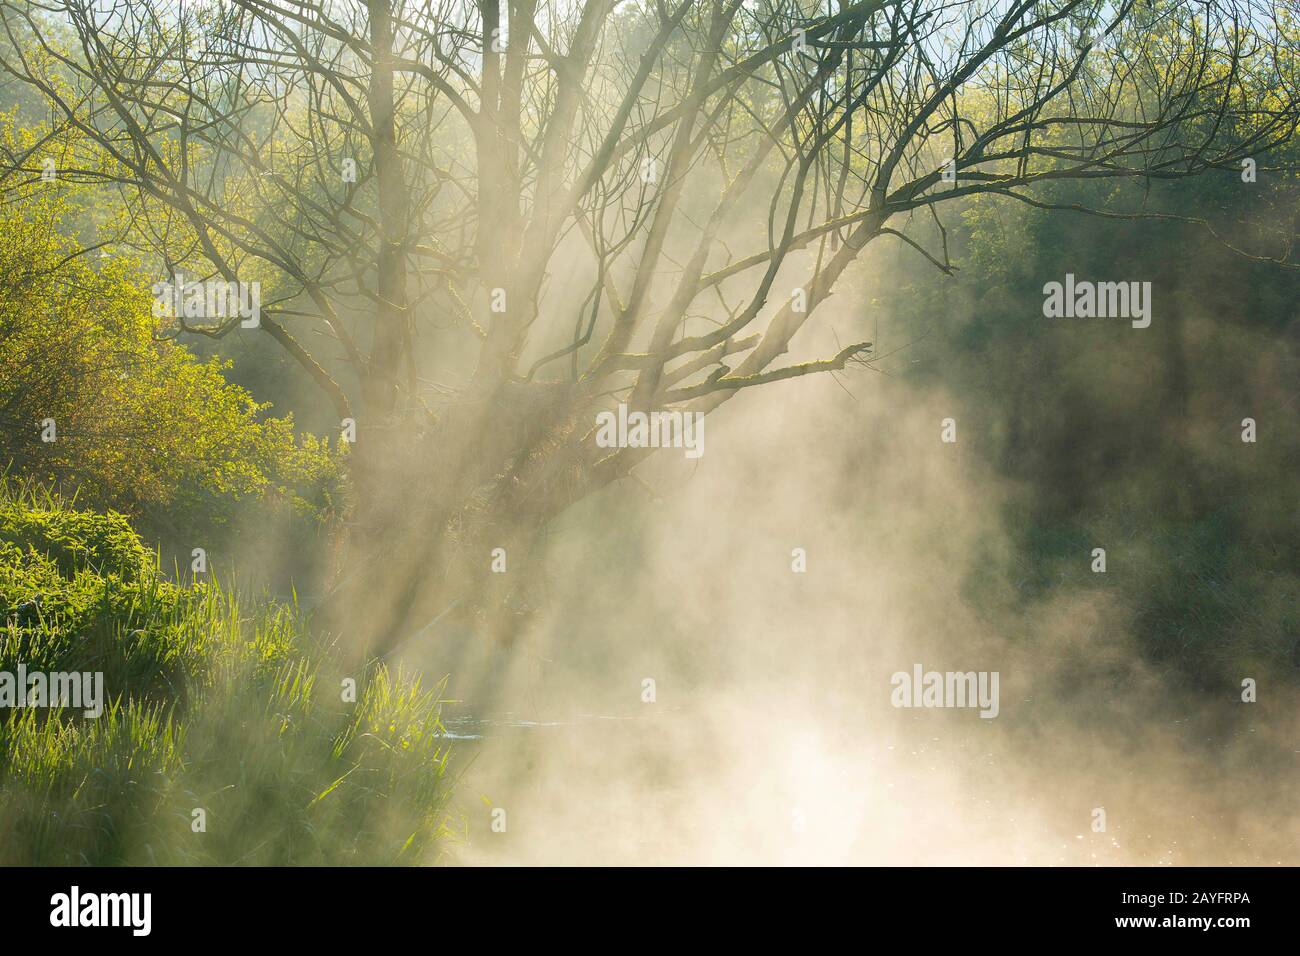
(78, 588)
(213, 705)
(141, 426)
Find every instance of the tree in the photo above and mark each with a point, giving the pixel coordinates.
(389, 164)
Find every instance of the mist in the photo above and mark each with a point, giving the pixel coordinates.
(771, 738)
(652, 434)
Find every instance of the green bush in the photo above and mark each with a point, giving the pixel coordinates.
(139, 424)
(212, 706)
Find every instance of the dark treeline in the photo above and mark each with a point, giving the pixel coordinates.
(1130, 438)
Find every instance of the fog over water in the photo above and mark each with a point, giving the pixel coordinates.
(771, 737)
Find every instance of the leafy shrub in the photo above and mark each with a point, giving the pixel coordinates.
(139, 424)
(213, 705)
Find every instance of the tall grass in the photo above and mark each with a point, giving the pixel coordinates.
(216, 705)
